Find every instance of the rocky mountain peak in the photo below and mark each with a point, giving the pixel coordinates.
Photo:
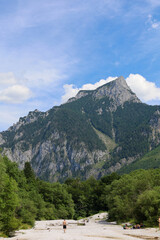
(118, 91)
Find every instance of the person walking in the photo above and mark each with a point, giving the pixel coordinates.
(64, 225)
(159, 222)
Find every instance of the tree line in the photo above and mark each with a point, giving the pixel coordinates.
(133, 197)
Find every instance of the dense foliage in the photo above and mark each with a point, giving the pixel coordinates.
(149, 160)
(23, 198)
(133, 129)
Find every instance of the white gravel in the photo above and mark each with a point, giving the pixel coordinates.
(94, 229)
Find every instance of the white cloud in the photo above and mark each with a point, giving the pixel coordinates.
(71, 90)
(15, 94)
(154, 24)
(7, 78)
(11, 90)
(145, 90)
(19, 88)
(43, 77)
(90, 86)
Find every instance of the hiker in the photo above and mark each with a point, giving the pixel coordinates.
(159, 222)
(64, 225)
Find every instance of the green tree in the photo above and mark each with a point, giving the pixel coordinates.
(76, 189)
(29, 173)
(9, 201)
(148, 206)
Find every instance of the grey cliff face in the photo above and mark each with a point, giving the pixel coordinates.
(118, 91)
(79, 95)
(1, 139)
(53, 162)
(155, 127)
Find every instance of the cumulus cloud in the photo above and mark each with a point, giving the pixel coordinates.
(145, 90)
(11, 91)
(15, 94)
(71, 91)
(15, 89)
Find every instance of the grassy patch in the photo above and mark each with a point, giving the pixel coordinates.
(108, 142)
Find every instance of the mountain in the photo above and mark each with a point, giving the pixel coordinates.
(95, 133)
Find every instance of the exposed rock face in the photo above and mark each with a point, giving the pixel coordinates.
(57, 161)
(118, 91)
(79, 95)
(155, 126)
(92, 134)
(2, 141)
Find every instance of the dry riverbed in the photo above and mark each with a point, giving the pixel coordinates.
(95, 229)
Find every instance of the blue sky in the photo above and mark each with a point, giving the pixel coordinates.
(51, 49)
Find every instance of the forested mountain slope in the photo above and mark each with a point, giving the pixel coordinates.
(148, 161)
(95, 133)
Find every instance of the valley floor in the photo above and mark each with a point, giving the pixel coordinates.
(94, 229)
